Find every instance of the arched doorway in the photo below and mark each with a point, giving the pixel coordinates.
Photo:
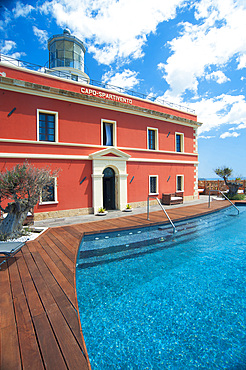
(109, 188)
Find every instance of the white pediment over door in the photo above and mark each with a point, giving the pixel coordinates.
(109, 153)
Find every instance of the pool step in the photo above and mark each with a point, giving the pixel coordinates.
(106, 248)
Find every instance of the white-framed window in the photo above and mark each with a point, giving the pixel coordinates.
(153, 184)
(47, 125)
(179, 142)
(50, 195)
(180, 183)
(152, 138)
(108, 132)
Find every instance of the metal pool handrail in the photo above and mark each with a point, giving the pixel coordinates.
(225, 197)
(158, 201)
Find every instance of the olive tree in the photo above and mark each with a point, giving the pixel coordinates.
(225, 173)
(22, 186)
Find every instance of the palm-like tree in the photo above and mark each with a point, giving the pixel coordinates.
(225, 173)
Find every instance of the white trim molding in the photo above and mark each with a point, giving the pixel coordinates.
(182, 183)
(90, 146)
(114, 138)
(89, 157)
(56, 124)
(181, 134)
(157, 184)
(156, 138)
(55, 201)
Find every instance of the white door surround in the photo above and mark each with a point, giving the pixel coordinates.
(115, 159)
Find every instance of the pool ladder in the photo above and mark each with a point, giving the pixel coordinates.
(158, 201)
(225, 198)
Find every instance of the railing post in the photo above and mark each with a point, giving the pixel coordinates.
(158, 201)
(225, 198)
(230, 201)
(148, 208)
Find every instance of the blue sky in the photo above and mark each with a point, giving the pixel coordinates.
(188, 52)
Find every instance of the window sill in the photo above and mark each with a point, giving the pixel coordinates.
(48, 141)
(45, 203)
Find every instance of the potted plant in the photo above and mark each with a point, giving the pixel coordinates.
(128, 208)
(101, 212)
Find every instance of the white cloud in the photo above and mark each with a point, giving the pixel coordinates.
(127, 79)
(7, 49)
(239, 127)
(151, 96)
(115, 30)
(212, 42)
(214, 112)
(205, 137)
(229, 134)
(242, 61)
(8, 46)
(6, 19)
(217, 76)
(41, 35)
(22, 10)
(220, 110)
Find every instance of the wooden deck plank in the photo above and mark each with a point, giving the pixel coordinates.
(59, 276)
(50, 350)
(70, 348)
(87, 227)
(29, 349)
(67, 237)
(46, 242)
(72, 230)
(10, 355)
(65, 270)
(63, 246)
(34, 303)
(6, 306)
(68, 311)
(10, 351)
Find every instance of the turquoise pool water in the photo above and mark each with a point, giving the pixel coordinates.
(151, 299)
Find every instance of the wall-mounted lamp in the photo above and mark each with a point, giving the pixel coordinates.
(82, 180)
(11, 112)
(131, 179)
(168, 133)
(168, 178)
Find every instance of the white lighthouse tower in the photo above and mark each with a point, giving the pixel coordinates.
(67, 54)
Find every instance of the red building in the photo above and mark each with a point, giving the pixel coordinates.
(112, 148)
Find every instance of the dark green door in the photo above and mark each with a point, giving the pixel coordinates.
(109, 188)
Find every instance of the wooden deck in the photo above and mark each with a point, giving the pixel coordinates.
(40, 326)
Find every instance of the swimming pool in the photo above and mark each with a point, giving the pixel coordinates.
(151, 299)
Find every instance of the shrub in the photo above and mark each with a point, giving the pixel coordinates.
(235, 196)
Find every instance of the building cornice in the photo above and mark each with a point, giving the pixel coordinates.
(30, 88)
(45, 143)
(87, 157)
